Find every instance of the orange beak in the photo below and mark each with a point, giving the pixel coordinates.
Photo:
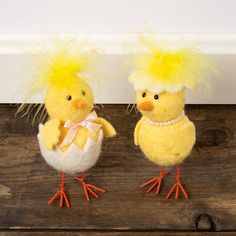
(79, 104)
(146, 106)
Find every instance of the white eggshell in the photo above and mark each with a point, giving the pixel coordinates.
(74, 160)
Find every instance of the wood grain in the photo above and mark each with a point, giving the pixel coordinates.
(209, 176)
(117, 233)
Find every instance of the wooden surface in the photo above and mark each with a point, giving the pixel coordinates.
(209, 176)
(23, 233)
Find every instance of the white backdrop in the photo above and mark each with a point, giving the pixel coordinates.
(109, 22)
(117, 15)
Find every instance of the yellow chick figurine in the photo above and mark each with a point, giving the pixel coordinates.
(164, 133)
(70, 141)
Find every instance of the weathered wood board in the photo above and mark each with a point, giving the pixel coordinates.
(209, 176)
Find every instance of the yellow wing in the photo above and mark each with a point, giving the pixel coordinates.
(108, 129)
(50, 133)
(136, 130)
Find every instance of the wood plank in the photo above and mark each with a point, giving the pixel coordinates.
(117, 233)
(27, 182)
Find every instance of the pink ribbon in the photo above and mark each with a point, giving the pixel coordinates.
(73, 127)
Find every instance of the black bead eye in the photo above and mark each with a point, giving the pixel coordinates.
(68, 97)
(156, 97)
(144, 95)
(83, 92)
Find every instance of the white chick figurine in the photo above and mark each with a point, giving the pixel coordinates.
(70, 141)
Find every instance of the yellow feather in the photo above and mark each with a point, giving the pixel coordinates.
(60, 63)
(159, 67)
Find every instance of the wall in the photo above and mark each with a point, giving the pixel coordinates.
(117, 15)
(108, 24)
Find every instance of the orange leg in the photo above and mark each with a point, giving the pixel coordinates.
(60, 193)
(155, 182)
(178, 186)
(89, 188)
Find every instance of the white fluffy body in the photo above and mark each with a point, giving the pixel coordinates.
(74, 160)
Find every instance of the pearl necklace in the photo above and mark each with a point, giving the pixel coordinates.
(166, 122)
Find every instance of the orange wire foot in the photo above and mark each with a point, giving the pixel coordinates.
(155, 182)
(61, 193)
(177, 186)
(89, 188)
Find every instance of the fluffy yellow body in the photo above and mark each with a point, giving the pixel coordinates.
(166, 145)
(73, 103)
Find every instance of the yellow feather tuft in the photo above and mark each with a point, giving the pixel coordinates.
(60, 63)
(56, 62)
(159, 68)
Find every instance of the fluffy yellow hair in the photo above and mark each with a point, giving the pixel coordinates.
(56, 62)
(60, 62)
(158, 67)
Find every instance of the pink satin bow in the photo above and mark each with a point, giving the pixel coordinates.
(73, 127)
